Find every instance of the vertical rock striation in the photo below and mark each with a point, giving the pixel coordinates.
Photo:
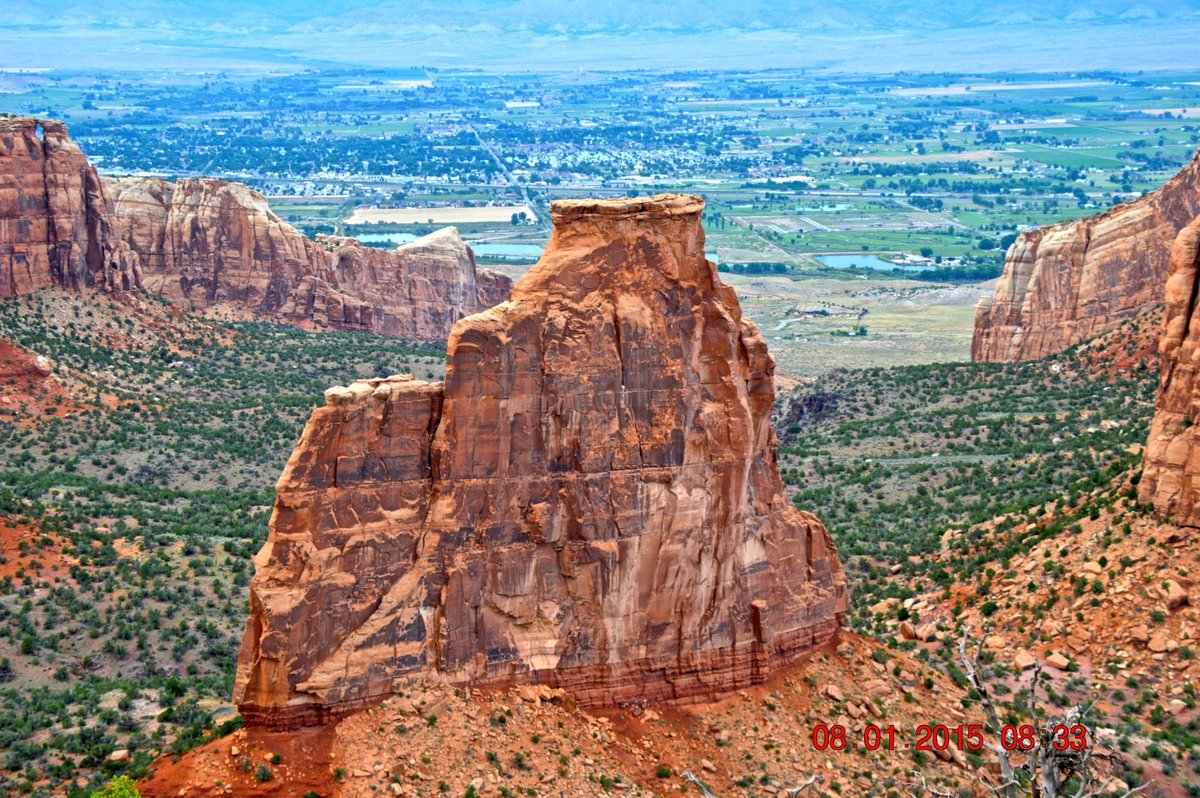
(214, 246)
(1070, 282)
(55, 217)
(590, 501)
(1172, 459)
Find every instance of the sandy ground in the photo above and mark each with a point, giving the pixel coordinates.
(908, 322)
(1186, 113)
(932, 157)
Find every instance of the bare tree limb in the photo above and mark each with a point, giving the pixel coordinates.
(1130, 792)
(927, 790)
(792, 792)
(1009, 783)
(704, 791)
(1049, 764)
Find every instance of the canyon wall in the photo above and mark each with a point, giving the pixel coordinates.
(55, 216)
(1070, 282)
(216, 247)
(1172, 459)
(591, 500)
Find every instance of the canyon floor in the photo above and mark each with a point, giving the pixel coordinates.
(816, 324)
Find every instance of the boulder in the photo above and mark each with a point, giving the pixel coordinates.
(1177, 595)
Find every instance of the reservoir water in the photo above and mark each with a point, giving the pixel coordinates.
(865, 261)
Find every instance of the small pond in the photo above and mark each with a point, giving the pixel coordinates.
(868, 262)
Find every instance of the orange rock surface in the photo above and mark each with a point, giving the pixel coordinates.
(590, 501)
(1171, 459)
(216, 246)
(1070, 282)
(30, 391)
(55, 217)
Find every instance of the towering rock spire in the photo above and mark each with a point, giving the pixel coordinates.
(1171, 472)
(591, 500)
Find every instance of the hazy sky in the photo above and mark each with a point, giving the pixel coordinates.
(862, 35)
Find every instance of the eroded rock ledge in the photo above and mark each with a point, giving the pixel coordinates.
(55, 215)
(590, 501)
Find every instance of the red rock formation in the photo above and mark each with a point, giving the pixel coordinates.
(214, 246)
(1172, 458)
(590, 501)
(202, 242)
(1070, 282)
(55, 215)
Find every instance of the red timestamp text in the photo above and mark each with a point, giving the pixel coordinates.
(929, 737)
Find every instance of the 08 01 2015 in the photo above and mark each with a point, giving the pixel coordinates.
(939, 737)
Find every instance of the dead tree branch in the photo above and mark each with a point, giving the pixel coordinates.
(927, 790)
(704, 791)
(1008, 786)
(792, 792)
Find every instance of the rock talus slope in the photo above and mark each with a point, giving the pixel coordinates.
(215, 246)
(1070, 282)
(590, 501)
(55, 216)
(1171, 462)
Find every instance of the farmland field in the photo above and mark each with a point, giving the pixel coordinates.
(938, 171)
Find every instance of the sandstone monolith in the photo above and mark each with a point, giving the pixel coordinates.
(590, 501)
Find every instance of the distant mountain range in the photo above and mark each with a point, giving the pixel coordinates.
(584, 16)
(526, 33)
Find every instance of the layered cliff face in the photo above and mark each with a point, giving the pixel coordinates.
(1172, 459)
(214, 246)
(55, 217)
(202, 242)
(590, 501)
(210, 245)
(1070, 282)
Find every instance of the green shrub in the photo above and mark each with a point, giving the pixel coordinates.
(120, 787)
